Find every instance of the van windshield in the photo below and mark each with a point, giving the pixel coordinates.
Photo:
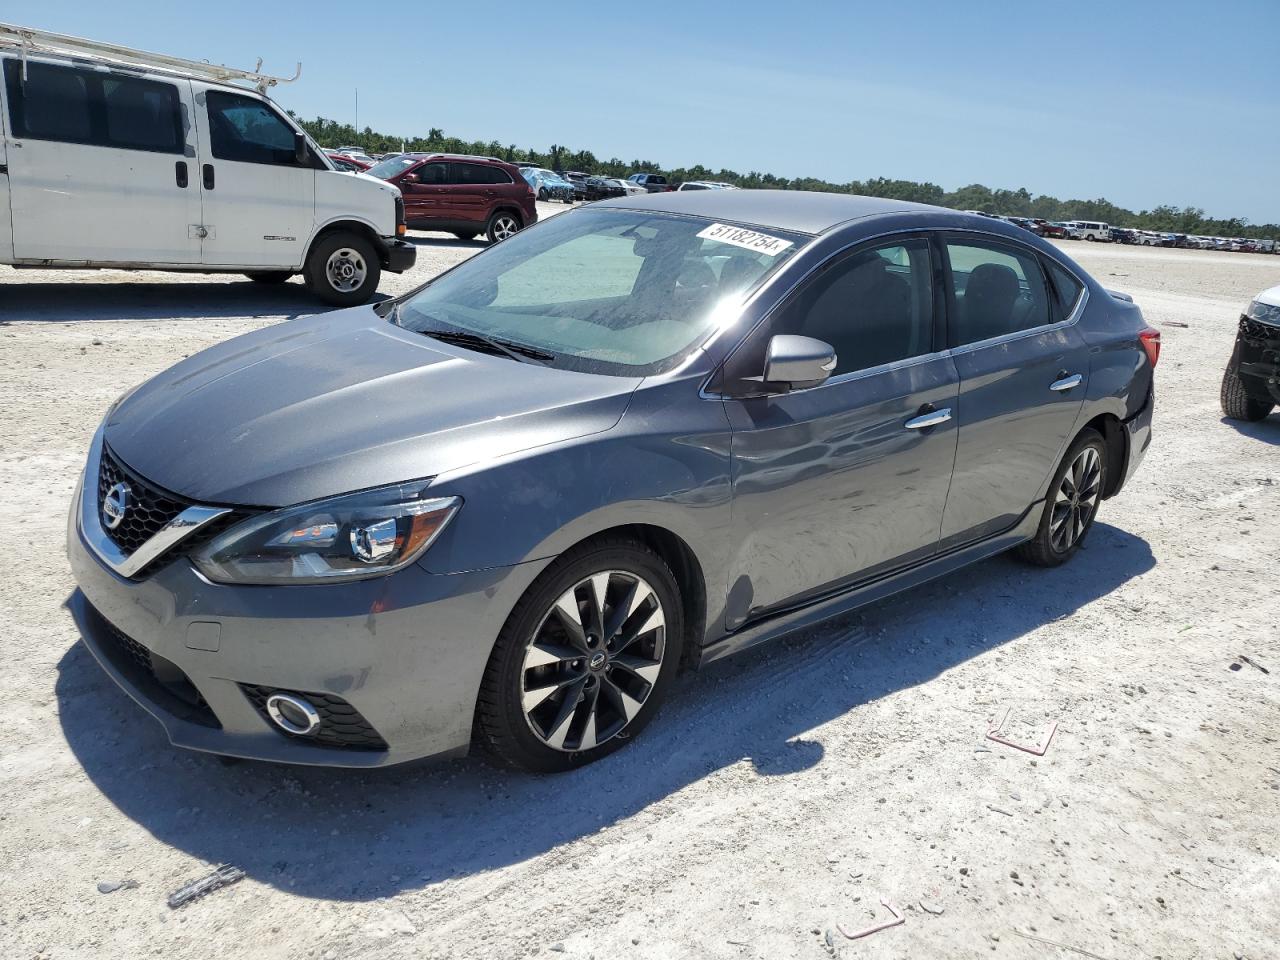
(620, 292)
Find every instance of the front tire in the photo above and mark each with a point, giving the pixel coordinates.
(502, 224)
(343, 269)
(269, 276)
(1072, 503)
(1237, 404)
(584, 658)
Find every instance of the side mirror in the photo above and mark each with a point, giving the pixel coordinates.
(300, 151)
(794, 363)
(410, 178)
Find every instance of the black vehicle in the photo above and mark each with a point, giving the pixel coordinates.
(579, 181)
(1122, 235)
(1251, 385)
(602, 188)
(653, 182)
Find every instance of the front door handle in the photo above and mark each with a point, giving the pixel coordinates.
(930, 419)
(1064, 383)
(206, 173)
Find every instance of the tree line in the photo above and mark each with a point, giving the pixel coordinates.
(975, 196)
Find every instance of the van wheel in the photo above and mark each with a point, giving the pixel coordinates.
(269, 276)
(501, 225)
(343, 269)
(1237, 404)
(1072, 503)
(584, 659)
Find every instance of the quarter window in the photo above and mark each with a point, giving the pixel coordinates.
(247, 130)
(1066, 290)
(94, 107)
(998, 291)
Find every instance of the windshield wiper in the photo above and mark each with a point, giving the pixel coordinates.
(466, 338)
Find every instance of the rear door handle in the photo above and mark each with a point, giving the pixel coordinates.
(931, 419)
(1066, 383)
(206, 173)
(180, 173)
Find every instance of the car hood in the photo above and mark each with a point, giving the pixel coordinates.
(1270, 296)
(342, 402)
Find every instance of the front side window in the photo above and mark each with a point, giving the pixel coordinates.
(998, 290)
(624, 293)
(247, 130)
(433, 174)
(94, 107)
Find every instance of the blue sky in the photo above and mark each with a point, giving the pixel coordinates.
(1141, 102)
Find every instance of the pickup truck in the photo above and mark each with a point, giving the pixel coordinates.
(653, 182)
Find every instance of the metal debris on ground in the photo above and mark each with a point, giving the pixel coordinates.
(1252, 663)
(1062, 946)
(995, 733)
(858, 934)
(223, 876)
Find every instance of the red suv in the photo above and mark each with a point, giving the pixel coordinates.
(465, 196)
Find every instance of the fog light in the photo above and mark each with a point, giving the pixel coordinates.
(293, 714)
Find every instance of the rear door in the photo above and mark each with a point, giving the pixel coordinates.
(100, 166)
(1024, 372)
(481, 187)
(844, 481)
(259, 201)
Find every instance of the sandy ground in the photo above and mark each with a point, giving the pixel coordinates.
(777, 795)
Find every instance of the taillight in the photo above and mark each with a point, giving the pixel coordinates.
(1150, 338)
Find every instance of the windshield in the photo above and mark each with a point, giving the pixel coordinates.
(621, 292)
(388, 168)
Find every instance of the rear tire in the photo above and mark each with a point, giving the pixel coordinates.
(269, 276)
(343, 269)
(1072, 503)
(545, 704)
(1237, 404)
(502, 224)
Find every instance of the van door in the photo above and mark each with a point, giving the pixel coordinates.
(100, 166)
(259, 201)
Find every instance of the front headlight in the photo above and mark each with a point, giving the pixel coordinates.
(343, 538)
(1264, 313)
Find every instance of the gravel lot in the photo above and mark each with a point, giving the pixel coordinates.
(778, 794)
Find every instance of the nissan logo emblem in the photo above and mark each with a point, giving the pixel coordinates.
(114, 505)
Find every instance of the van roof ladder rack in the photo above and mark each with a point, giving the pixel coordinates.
(30, 40)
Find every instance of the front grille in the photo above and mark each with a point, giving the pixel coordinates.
(162, 680)
(341, 724)
(149, 508)
(1258, 331)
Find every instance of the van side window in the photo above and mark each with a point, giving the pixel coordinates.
(246, 129)
(93, 107)
(998, 290)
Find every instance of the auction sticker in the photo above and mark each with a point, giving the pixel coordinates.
(747, 239)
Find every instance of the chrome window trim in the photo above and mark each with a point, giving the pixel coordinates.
(175, 531)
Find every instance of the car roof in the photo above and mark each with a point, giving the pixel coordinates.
(796, 210)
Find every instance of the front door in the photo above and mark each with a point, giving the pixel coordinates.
(845, 481)
(100, 166)
(259, 201)
(1023, 378)
(422, 194)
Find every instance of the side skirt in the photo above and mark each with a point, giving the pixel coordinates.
(827, 608)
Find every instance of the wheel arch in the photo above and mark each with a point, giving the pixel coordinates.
(359, 227)
(1116, 440)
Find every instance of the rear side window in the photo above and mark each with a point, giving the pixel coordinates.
(1066, 290)
(247, 130)
(998, 290)
(94, 107)
(479, 173)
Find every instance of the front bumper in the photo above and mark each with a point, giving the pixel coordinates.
(1256, 358)
(406, 651)
(398, 255)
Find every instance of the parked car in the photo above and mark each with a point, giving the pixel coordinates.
(167, 164)
(1122, 235)
(344, 161)
(652, 182)
(705, 185)
(632, 188)
(462, 195)
(547, 185)
(602, 188)
(645, 433)
(1053, 228)
(1147, 238)
(357, 154)
(579, 181)
(1072, 229)
(1251, 385)
(1093, 230)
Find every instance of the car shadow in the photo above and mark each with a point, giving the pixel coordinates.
(1267, 429)
(360, 835)
(189, 300)
(421, 239)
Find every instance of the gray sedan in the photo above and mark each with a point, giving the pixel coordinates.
(508, 507)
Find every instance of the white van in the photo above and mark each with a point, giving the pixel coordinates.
(1092, 230)
(111, 157)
